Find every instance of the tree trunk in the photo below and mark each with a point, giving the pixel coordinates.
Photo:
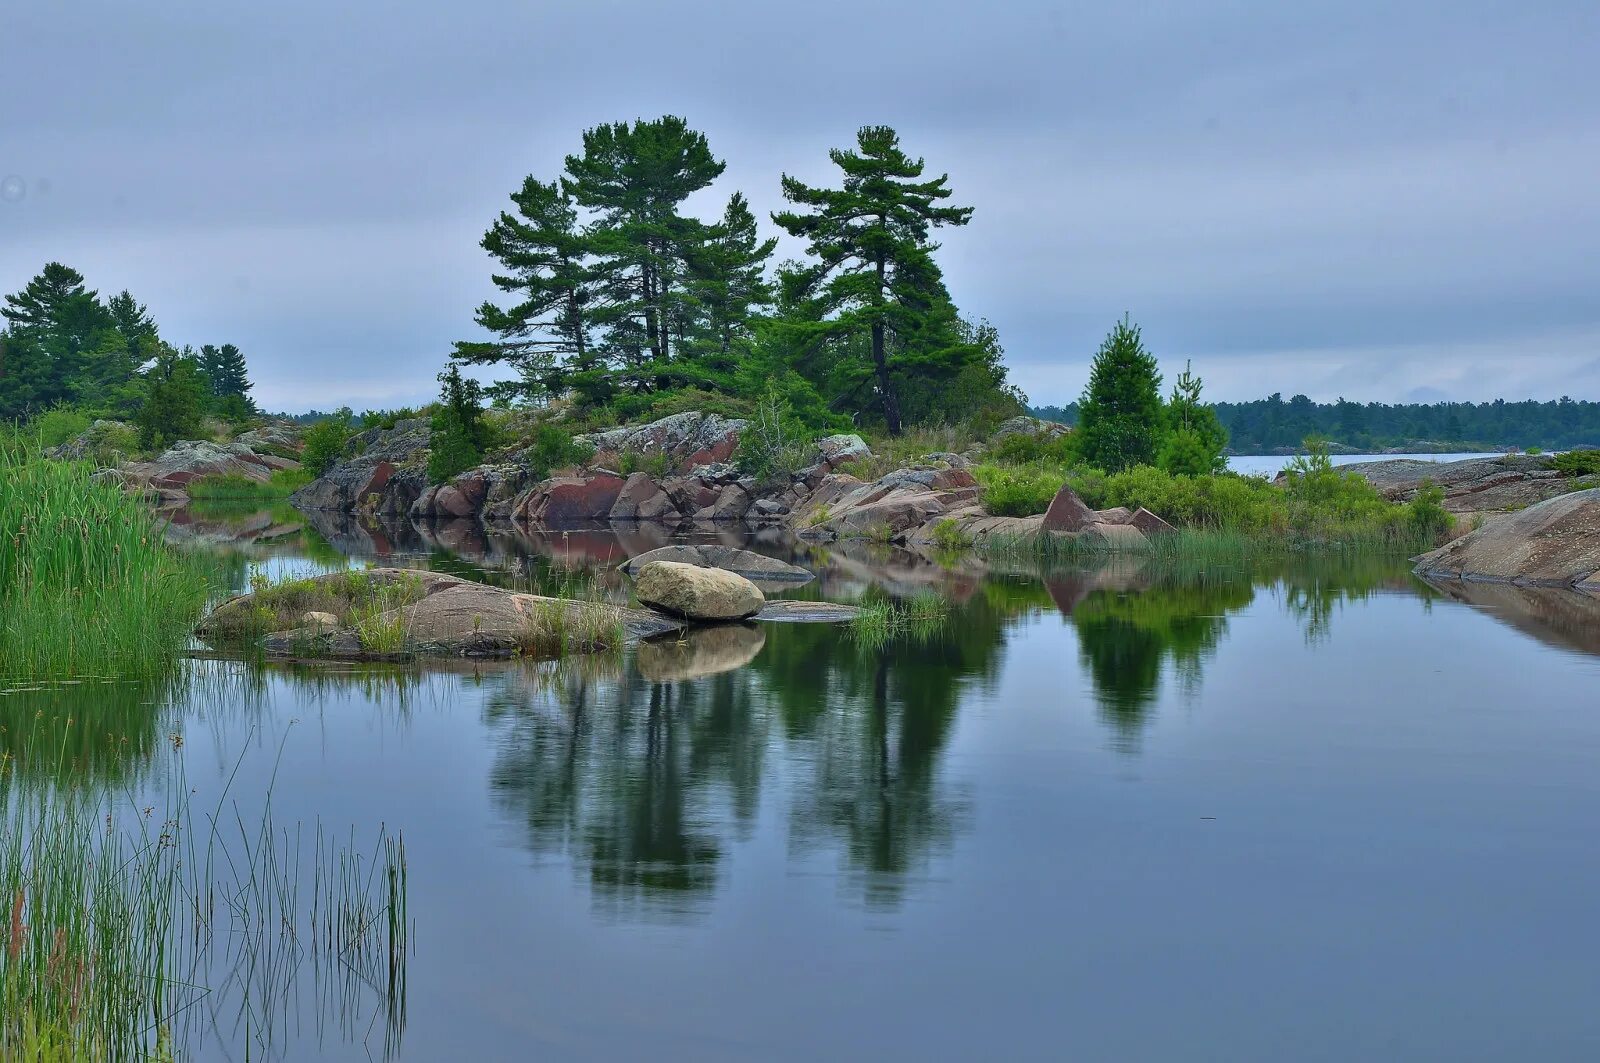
(880, 362)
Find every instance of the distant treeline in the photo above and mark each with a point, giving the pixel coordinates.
(1273, 423)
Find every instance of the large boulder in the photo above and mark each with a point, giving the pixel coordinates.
(746, 563)
(697, 593)
(1492, 483)
(1555, 542)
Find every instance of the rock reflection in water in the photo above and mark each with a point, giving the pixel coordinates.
(1556, 616)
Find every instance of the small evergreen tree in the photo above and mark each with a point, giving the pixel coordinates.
(175, 400)
(1120, 415)
(459, 434)
(1195, 439)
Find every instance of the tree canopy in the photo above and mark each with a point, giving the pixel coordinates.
(618, 296)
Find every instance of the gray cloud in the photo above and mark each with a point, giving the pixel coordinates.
(1336, 198)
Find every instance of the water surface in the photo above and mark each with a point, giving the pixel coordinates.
(1307, 810)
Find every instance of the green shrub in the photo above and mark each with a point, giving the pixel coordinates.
(1017, 492)
(325, 443)
(553, 449)
(59, 425)
(1427, 516)
(1577, 462)
(774, 446)
(947, 535)
(1026, 448)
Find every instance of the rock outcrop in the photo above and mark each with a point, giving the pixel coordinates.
(888, 508)
(383, 473)
(175, 468)
(683, 440)
(1032, 426)
(1552, 543)
(1474, 485)
(697, 593)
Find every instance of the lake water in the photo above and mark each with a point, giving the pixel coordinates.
(1270, 465)
(1316, 810)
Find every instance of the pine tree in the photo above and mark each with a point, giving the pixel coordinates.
(225, 370)
(175, 400)
(729, 281)
(1195, 439)
(130, 318)
(55, 326)
(543, 252)
(875, 273)
(635, 178)
(1120, 414)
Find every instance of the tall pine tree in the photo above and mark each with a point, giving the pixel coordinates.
(543, 255)
(634, 178)
(875, 273)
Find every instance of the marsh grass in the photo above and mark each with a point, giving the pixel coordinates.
(355, 598)
(920, 618)
(119, 922)
(87, 582)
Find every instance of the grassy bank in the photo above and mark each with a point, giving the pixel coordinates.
(232, 487)
(87, 583)
(1315, 505)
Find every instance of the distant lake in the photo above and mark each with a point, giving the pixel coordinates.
(1272, 464)
(1308, 808)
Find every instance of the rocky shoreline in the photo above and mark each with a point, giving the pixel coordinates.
(697, 484)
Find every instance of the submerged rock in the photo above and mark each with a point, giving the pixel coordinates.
(697, 593)
(1553, 543)
(789, 611)
(746, 563)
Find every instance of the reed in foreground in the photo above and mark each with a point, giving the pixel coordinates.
(117, 923)
(87, 582)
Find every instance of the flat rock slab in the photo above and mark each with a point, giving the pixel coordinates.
(1553, 543)
(792, 612)
(746, 563)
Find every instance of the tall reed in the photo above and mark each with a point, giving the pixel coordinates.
(125, 929)
(87, 583)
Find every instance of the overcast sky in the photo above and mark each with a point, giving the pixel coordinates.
(1391, 201)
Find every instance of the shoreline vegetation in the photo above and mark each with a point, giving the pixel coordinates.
(88, 584)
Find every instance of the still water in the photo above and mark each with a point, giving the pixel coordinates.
(1316, 810)
(1270, 465)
